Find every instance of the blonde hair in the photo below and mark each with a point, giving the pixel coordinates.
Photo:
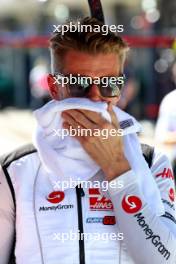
(87, 41)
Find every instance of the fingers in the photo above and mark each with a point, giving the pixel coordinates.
(81, 139)
(113, 116)
(68, 120)
(93, 116)
(78, 117)
(86, 118)
(90, 119)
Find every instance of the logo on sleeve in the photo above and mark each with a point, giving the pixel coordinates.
(154, 238)
(131, 204)
(56, 197)
(99, 202)
(170, 204)
(166, 173)
(172, 194)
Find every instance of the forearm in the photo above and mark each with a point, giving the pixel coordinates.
(146, 234)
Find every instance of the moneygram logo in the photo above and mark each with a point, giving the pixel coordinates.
(56, 197)
(99, 202)
(131, 204)
(155, 239)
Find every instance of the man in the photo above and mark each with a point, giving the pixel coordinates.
(167, 121)
(147, 237)
(167, 115)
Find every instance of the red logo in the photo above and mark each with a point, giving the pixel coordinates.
(167, 173)
(109, 220)
(99, 202)
(131, 204)
(172, 194)
(55, 197)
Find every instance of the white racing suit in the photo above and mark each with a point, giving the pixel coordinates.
(121, 229)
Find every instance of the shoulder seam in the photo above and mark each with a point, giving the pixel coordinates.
(7, 159)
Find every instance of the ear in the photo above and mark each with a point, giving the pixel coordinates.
(53, 88)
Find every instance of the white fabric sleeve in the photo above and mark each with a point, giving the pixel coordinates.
(149, 238)
(6, 219)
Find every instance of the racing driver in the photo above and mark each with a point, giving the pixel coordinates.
(31, 214)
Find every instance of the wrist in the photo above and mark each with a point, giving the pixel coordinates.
(119, 168)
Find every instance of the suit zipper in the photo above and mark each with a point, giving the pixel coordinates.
(80, 194)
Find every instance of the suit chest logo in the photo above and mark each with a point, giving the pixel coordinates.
(98, 202)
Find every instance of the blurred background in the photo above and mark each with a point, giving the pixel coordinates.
(25, 27)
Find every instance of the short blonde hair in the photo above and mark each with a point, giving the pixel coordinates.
(87, 41)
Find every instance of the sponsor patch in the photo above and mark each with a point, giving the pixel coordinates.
(172, 194)
(109, 220)
(98, 202)
(56, 197)
(171, 205)
(94, 220)
(126, 123)
(131, 204)
(169, 216)
(54, 208)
